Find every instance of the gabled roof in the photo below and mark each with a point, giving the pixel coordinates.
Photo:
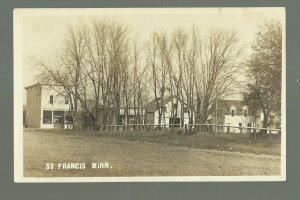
(231, 102)
(152, 105)
(236, 99)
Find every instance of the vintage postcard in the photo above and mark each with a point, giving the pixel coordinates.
(149, 94)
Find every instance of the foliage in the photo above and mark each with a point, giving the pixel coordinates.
(265, 66)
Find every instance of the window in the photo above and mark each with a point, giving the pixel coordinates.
(175, 106)
(51, 99)
(232, 112)
(170, 120)
(66, 100)
(165, 109)
(185, 109)
(240, 124)
(245, 113)
(47, 117)
(69, 118)
(121, 119)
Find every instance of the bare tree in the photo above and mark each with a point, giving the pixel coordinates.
(74, 51)
(107, 68)
(99, 65)
(217, 71)
(178, 76)
(194, 69)
(139, 73)
(157, 50)
(66, 68)
(187, 54)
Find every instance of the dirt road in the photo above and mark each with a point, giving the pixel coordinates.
(116, 157)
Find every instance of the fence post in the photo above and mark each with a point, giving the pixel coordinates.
(255, 134)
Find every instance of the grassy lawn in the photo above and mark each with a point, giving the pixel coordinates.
(244, 143)
(147, 154)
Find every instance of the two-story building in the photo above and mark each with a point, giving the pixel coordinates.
(174, 112)
(46, 106)
(233, 111)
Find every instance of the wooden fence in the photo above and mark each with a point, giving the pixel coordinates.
(198, 127)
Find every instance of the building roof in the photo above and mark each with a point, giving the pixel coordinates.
(152, 105)
(234, 97)
(34, 85)
(231, 102)
(40, 84)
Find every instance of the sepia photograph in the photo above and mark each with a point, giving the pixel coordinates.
(149, 94)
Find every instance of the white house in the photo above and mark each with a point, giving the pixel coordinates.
(174, 112)
(47, 106)
(233, 111)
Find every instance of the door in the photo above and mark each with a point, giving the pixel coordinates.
(58, 119)
(177, 122)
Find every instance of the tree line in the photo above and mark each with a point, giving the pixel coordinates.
(103, 67)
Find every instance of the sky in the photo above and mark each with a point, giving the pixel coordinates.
(43, 30)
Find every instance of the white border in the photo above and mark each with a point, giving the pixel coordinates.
(18, 97)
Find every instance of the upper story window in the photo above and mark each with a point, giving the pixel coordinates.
(175, 106)
(51, 99)
(232, 111)
(245, 111)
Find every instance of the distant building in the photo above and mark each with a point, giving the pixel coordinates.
(133, 116)
(233, 113)
(180, 112)
(46, 106)
(123, 116)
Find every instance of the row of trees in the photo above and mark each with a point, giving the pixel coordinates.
(196, 68)
(102, 68)
(98, 68)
